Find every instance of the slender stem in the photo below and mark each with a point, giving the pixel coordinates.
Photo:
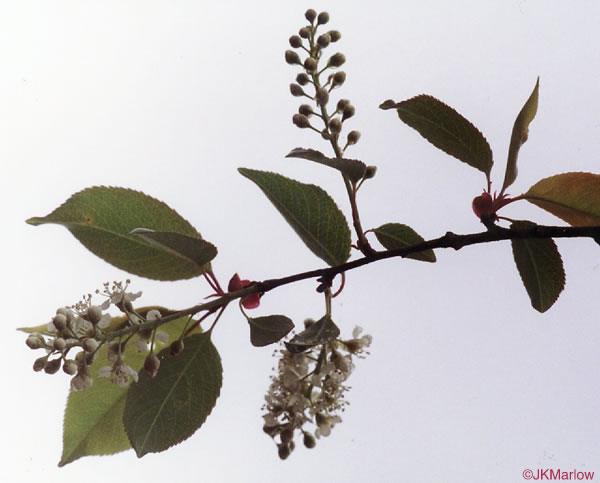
(449, 240)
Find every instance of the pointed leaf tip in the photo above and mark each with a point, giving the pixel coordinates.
(310, 211)
(446, 129)
(102, 219)
(572, 197)
(519, 135)
(165, 410)
(540, 266)
(397, 235)
(353, 168)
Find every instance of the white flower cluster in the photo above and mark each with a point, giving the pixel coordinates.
(80, 327)
(309, 389)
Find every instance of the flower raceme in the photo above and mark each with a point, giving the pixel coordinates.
(250, 301)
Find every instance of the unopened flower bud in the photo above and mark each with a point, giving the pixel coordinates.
(325, 135)
(335, 126)
(348, 112)
(151, 364)
(286, 435)
(370, 172)
(35, 341)
(353, 137)
(308, 323)
(90, 345)
(53, 366)
(176, 347)
(310, 15)
(338, 79)
(334, 35)
(342, 103)
(304, 32)
(283, 450)
(296, 90)
(40, 363)
(94, 314)
(302, 79)
(310, 64)
(305, 110)
(295, 41)
(323, 40)
(309, 440)
(70, 367)
(323, 18)
(322, 97)
(59, 344)
(292, 57)
(300, 121)
(59, 321)
(336, 60)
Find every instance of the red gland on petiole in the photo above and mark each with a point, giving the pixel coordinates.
(250, 301)
(485, 207)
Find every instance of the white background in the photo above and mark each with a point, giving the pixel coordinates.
(465, 381)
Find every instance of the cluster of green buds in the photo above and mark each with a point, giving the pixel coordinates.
(312, 78)
(84, 328)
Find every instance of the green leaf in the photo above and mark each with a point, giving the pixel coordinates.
(102, 219)
(167, 409)
(322, 331)
(573, 197)
(191, 249)
(519, 135)
(268, 330)
(93, 422)
(540, 266)
(397, 235)
(310, 211)
(446, 129)
(353, 168)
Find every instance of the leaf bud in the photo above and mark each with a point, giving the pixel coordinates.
(323, 40)
(70, 367)
(336, 60)
(353, 137)
(342, 103)
(35, 341)
(334, 35)
(292, 57)
(304, 32)
(309, 441)
(310, 15)
(338, 78)
(302, 79)
(40, 363)
(335, 126)
(60, 322)
(296, 90)
(59, 344)
(151, 364)
(310, 64)
(322, 97)
(300, 121)
(295, 41)
(176, 347)
(305, 110)
(323, 18)
(90, 345)
(283, 450)
(53, 366)
(94, 314)
(348, 112)
(370, 172)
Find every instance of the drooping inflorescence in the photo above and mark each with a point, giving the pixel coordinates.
(309, 389)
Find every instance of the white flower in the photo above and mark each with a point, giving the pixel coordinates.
(120, 373)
